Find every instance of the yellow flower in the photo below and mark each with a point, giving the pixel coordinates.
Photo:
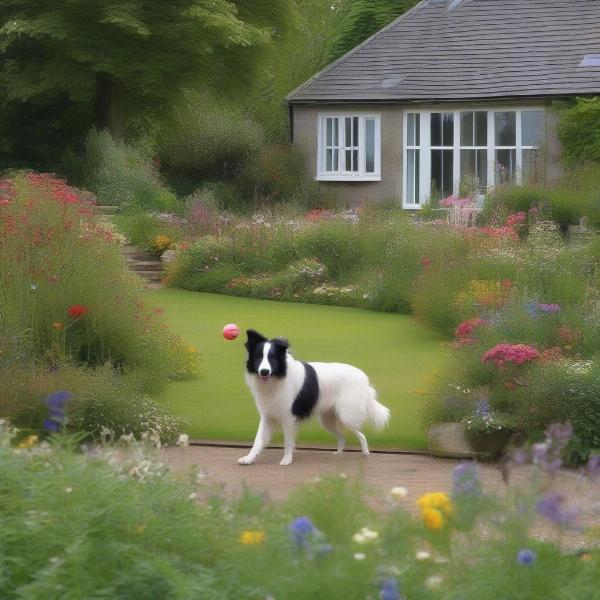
(252, 537)
(140, 529)
(432, 518)
(438, 500)
(162, 242)
(58, 325)
(192, 349)
(29, 442)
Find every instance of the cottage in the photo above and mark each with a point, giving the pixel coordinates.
(453, 90)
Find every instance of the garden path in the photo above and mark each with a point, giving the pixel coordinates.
(419, 473)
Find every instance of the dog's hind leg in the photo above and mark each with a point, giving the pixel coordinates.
(364, 447)
(330, 421)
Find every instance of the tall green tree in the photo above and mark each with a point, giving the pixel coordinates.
(358, 19)
(120, 57)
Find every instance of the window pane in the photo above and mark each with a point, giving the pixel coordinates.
(370, 145)
(413, 136)
(412, 177)
(448, 129)
(506, 128)
(348, 132)
(348, 160)
(436, 129)
(531, 166)
(336, 160)
(532, 127)
(442, 167)
(506, 161)
(329, 136)
(355, 161)
(329, 160)
(473, 164)
(466, 129)
(481, 132)
(336, 132)
(355, 132)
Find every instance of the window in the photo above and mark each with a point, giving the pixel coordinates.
(349, 148)
(442, 154)
(413, 158)
(444, 148)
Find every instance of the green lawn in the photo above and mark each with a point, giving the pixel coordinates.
(394, 350)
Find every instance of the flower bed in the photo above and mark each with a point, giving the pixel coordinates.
(113, 518)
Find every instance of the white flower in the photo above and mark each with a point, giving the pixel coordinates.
(183, 440)
(434, 582)
(423, 555)
(359, 556)
(365, 535)
(398, 493)
(68, 490)
(127, 439)
(192, 496)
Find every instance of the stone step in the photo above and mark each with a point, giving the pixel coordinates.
(131, 252)
(153, 276)
(144, 265)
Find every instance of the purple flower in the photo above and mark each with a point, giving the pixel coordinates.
(592, 468)
(560, 433)
(57, 400)
(51, 425)
(466, 480)
(56, 410)
(532, 309)
(526, 557)
(550, 506)
(549, 308)
(389, 589)
(300, 529)
(482, 409)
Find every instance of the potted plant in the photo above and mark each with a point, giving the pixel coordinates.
(487, 432)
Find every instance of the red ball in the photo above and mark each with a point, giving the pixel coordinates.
(231, 331)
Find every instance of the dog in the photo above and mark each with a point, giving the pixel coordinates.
(288, 391)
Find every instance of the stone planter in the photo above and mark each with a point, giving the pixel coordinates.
(449, 440)
(492, 444)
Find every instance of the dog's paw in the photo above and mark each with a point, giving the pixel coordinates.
(286, 460)
(338, 453)
(365, 453)
(245, 460)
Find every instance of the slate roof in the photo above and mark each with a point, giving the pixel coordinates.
(469, 49)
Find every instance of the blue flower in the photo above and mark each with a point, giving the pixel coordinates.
(466, 480)
(51, 425)
(532, 309)
(482, 409)
(526, 557)
(57, 400)
(389, 589)
(550, 506)
(56, 410)
(324, 549)
(300, 529)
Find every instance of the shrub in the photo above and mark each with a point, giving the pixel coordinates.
(579, 131)
(99, 399)
(122, 175)
(207, 141)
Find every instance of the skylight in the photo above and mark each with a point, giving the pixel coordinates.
(392, 81)
(452, 4)
(590, 60)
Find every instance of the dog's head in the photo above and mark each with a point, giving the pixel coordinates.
(266, 358)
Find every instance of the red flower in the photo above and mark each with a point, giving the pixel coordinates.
(506, 283)
(425, 262)
(77, 311)
(466, 329)
(518, 354)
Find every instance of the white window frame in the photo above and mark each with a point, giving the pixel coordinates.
(425, 147)
(340, 174)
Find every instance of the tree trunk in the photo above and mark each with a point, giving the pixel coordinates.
(107, 107)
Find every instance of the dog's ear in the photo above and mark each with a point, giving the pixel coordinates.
(254, 338)
(281, 343)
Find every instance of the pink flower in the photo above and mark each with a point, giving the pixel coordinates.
(451, 201)
(518, 354)
(425, 262)
(516, 219)
(466, 329)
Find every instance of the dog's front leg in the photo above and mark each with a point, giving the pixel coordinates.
(263, 437)
(290, 429)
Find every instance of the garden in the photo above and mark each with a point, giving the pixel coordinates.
(488, 324)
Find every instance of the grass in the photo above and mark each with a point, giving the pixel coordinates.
(397, 352)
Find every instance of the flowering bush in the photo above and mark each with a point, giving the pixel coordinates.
(517, 354)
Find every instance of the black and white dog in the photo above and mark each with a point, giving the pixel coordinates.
(288, 391)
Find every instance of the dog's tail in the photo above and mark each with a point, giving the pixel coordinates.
(377, 414)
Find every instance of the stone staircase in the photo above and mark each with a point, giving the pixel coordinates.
(141, 262)
(144, 264)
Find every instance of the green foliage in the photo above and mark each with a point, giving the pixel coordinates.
(122, 175)
(358, 19)
(579, 132)
(135, 531)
